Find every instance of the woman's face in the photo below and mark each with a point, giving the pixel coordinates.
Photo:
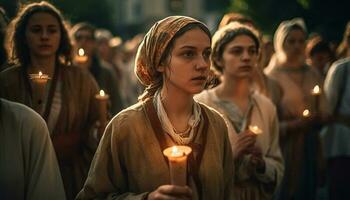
(294, 45)
(187, 67)
(239, 57)
(43, 35)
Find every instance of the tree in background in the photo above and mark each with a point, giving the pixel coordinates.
(327, 17)
(98, 12)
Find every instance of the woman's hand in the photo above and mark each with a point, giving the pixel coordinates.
(244, 143)
(171, 192)
(257, 160)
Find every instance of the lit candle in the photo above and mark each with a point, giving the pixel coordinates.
(38, 83)
(177, 156)
(102, 98)
(255, 129)
(81, 57)
(306, 113)
(316, 92)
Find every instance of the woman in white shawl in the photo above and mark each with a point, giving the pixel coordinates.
(297, 81)
(258, 159)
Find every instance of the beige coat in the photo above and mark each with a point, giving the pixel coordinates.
(248, 183)
(129, 162)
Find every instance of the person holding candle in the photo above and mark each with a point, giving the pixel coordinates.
(299, 134)
(83, 35)
(173, 62)
(250, 116)
(38, 41)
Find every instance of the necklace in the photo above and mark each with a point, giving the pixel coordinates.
(184, 137)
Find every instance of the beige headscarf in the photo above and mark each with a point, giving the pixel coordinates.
(280, 36)
(151, 50)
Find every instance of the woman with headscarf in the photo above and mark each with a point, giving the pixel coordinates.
(38, 41)
(258, 159)
(173, 62)
(299, 111)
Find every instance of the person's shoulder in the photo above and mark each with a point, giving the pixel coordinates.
(205, 94)
(338, 67)
(341, 64)
(10, 71)
(263, 102)
(124, 124)
(205, 97)
(21, 114)
(129, 115)
(212, 113)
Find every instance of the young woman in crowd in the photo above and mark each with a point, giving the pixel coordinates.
(258, 159)
(38, 41)
(173, 62)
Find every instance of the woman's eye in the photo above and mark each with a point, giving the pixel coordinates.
(188, 54)
(206, 54)
(35, 29)
(252, 51)
(52, 30)
(237, 51)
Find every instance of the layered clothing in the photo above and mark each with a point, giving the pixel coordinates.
(249, 184)
(72, 123)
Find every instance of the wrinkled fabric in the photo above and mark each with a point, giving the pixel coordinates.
(129, 162)
(71, 137)
(248, 183)
(28, 168)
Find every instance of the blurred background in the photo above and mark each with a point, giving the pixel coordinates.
(126, 18)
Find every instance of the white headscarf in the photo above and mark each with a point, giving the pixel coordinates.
(280, 36)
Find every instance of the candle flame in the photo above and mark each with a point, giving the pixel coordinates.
(102, 93)
(81, 52)
(40, 73)
(306, 113)
(316, 90)
(255, 129)
(174, 150)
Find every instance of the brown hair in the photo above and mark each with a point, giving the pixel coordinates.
(225, 35)
(17, 48)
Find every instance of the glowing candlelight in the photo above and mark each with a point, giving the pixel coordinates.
(306, 113)
(81, 57)
(102, 93)
(38, 84)
(255, 129)
(177, 156)
(102, 99)
(81, 52)
(316, 90)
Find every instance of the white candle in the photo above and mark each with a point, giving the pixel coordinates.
(102, 98)
(177, 156)
(81, 57)
(316, 92)
(255, 129)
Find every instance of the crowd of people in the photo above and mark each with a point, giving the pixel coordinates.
(85, 115)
